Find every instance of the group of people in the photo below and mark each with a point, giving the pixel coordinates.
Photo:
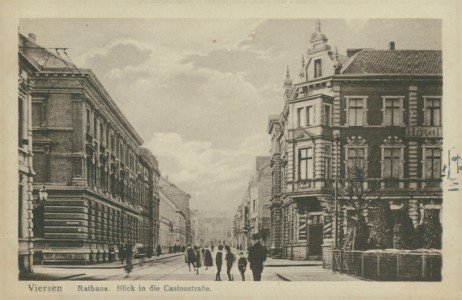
(256, 256)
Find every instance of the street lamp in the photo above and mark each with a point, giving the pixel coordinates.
(337, 161)
(42, 199)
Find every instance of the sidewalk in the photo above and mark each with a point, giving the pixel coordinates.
(273, 262)
(64, 272)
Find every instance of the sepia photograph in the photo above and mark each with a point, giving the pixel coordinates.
(215, 149)
(270, 149)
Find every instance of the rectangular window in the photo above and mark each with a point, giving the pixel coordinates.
(391, 162)
(21, 120)
(95, 126)
(299, 117)
(327, 168)
(112, 142)
(305, 163)
(101, 133)
(88, 121)
(433, 112)
(432, 163)
(327, 116)
(317, 68)
(393, 113)
(309, 116)
(355, 112)
(356, 157)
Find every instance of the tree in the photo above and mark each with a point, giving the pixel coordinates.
(381, 234)
(357, 193)
(404, 236)
(432, 230)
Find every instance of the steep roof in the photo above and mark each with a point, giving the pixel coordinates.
(399, 62)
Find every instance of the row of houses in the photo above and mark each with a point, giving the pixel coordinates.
(253, 215)
(87, 186)
(377, 110)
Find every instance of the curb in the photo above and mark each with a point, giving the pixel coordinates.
(51, 277)
(294, 265)
(98, 267)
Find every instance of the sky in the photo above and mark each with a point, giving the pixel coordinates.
(199, 91)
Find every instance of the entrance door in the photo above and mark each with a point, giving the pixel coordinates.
(315, 239)
(315, 234)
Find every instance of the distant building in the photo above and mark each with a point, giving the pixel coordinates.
(254, 214)
(181, 200)
(377, 109)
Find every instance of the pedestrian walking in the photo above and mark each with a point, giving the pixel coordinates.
(230, 258)
(213, 247)
(198, 259)
(129, 258)
(219, 262)
(190, 257)
(208, 259)
(122, 253)
(242, 265)
(159, 250)
(257, 255)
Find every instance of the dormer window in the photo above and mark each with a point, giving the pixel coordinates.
(317, 68)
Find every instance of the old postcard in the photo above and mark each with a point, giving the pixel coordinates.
(165, 148)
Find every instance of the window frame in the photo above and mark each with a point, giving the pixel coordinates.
(309, 160)
(400, 109)
(424, 161)
(364, 108)
(425, 108)
(400, 148)
(317, 68)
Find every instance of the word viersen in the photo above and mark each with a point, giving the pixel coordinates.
(191, 288)
(45, 288)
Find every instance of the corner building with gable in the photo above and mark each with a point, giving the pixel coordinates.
(377, 108)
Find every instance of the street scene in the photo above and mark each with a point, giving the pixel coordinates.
(264, 150)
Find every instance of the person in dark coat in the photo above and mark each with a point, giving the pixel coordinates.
(198, 259)
(159, 250)
(230, 258)
(219, 262)
(208, 259)
(242, 265)
(190, 257)
(257, 255)
(129, 257)
(122, 253)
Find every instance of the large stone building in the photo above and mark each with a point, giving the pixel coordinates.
(377, 109)
(169, 233)
(100, 183)
(27, 68)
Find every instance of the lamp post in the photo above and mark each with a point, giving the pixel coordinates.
(337, 161)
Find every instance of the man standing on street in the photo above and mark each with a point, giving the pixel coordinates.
(257, 255)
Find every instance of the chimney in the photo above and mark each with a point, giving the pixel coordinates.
(391, 46)
(32, 37)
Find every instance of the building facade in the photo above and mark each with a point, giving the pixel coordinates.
(181, 202)
(88, 157)
(377, 109)
(26, 70)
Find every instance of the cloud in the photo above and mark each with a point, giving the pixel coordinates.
(205, 171)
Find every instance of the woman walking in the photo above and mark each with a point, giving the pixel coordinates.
(229, 262)
(219, 262)
(190, 257)
(198, 259)
(208, 259)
